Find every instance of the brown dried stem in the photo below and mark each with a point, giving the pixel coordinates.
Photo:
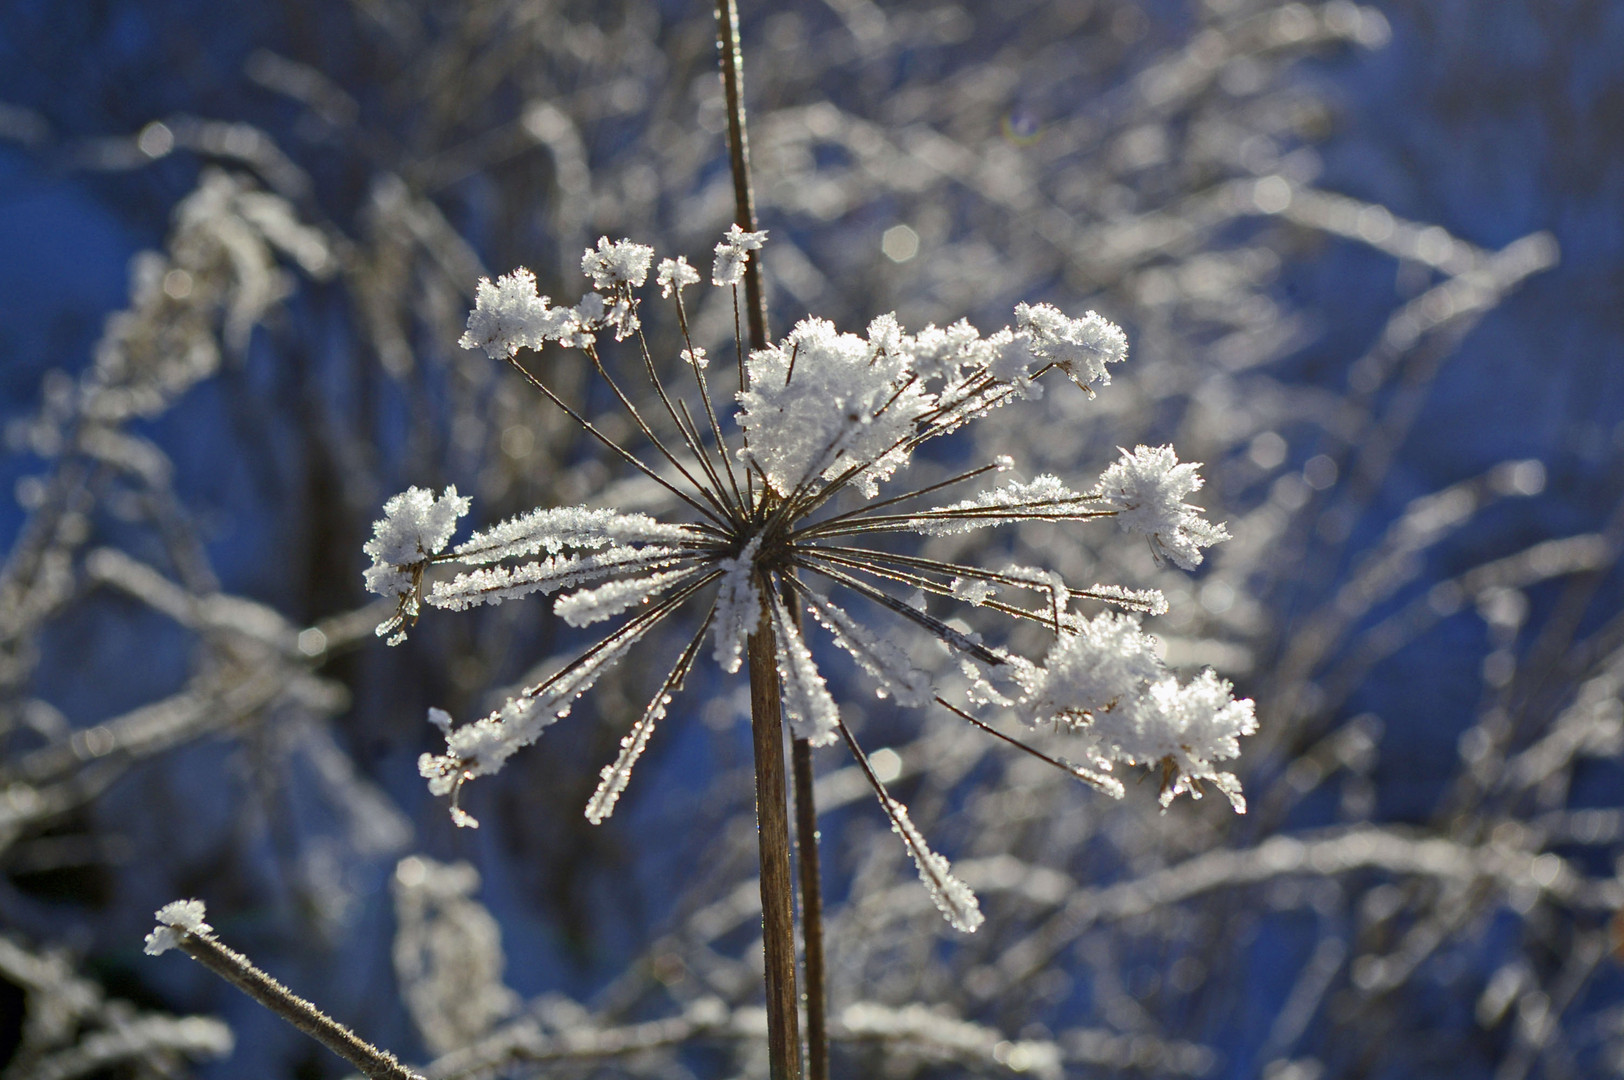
(238, 970)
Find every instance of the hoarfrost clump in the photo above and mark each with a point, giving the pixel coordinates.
(826, 415)
(510, 316)
(1079, 347)
(732, 254)
(823, 400)
(675, 275)
(1147, 487)
(176, 919)
(1182, 729)
(618, 263)
(414, 528)
(1105, 681)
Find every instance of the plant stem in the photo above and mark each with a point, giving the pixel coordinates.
(766, 722)
(238, 970)
(806, 839)
(744, 199)
(772, 820)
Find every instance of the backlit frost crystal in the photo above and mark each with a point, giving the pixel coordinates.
(732, 253)
(618, 263)
(176, 919)
(509, 316)
(1147, 488)
(414, 528)
(1079, 347)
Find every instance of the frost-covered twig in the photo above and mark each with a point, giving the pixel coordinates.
(181, 926)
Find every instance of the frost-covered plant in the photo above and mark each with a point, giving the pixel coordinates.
(823, 415)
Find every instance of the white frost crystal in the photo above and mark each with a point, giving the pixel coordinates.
(508, 316)
(675, 275)
(415, 527)
(1147, 489)
(176, 918)
(1183, 729)
(1104, 681)
(1079, 347)
(619, 263)
(1107, 660)
(823, 402)
(733, 252)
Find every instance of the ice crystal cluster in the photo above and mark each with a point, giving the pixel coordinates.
(776, 515)
(175, 919)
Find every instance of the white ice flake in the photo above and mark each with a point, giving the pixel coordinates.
(414, 528)
(738, 605)
(619, 263)
(1079, 347)
(176, 919)
(1147, 489)
(808, 706)
(732, 254)
(822, 403)
(1183, 729)
(675, 275)
(972, 591)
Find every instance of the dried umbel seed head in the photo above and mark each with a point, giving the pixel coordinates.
(781, 519)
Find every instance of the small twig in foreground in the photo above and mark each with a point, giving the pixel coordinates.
(181, 926)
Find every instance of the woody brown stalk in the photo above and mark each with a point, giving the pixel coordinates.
(744, 199)
(772, 822)
(766, 720)
(806, 838)
(237, 969)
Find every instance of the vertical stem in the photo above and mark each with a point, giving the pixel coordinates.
(744, 199)
(806, 838)
(766, 722)
(772, 820)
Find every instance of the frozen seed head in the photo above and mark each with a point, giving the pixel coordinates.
(821, 402)
(1093, 666)
(782, 517)
(507, 315)
(414, 528)
(1181, 729)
